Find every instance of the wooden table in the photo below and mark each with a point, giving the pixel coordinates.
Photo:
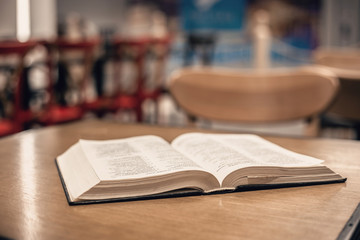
(33, 203)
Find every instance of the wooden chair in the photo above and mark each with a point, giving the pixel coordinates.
(19, 115)
(254, 97)
(70, 53)
(345, 63)
(132, 73)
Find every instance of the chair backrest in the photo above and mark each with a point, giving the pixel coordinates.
(15, 91)
(253, 96)
(67, 87)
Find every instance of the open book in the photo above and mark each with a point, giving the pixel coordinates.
(148, 166)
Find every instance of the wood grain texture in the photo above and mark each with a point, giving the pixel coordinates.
(33, 203)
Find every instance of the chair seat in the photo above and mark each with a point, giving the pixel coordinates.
(150, 94)
(126, 102)
(7, 127)
(60, 114)
(98, 104)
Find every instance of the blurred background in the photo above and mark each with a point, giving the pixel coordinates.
(65, 60)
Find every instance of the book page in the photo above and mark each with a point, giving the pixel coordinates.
(76, 172)
(221, 154)
(134, 157)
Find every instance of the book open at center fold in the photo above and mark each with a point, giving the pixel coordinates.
(194, 163)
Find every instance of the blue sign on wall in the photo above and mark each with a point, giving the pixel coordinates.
(212, 14)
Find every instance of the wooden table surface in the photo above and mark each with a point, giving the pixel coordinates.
(33, 203)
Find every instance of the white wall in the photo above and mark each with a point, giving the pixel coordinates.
(103, 13)
(340, 23)
(7, 19)
(43, 19)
